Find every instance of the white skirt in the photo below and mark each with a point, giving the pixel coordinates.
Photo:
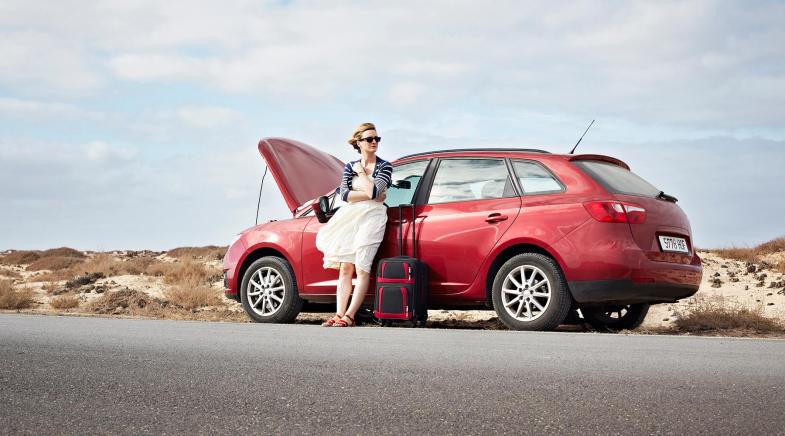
(353, 234)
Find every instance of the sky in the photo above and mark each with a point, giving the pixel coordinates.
(134, 124)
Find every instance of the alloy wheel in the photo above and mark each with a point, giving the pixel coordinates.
(266, 291)
(526, 293)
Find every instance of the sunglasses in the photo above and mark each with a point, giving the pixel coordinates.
(370, 139)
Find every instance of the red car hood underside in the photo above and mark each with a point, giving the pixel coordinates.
(302, 172)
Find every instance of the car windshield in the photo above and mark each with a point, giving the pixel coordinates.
(617, 179)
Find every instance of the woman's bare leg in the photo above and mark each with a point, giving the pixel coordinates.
(363, 280)
(345, 273)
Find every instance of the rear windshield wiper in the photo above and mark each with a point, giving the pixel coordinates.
(663, 196)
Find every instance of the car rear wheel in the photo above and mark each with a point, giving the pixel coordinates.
(529, 293)
(615, 318)
(269, 291)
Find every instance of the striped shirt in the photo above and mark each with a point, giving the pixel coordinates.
(381, 177)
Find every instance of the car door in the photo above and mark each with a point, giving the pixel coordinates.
(320, 281)
(471, 204)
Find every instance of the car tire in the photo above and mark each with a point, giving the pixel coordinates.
(530, 293)
(615, 318)
(268, 291)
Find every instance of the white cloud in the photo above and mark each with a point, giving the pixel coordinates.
(25, 108)
(98, 151)
(42, 63)
(694, 63)
(200, 117)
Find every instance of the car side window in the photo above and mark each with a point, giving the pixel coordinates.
(535, 179)
(471, 179)
(411, 172)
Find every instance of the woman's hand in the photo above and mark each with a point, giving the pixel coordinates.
(381, 197)
(362, 184)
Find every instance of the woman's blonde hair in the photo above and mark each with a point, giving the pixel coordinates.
(358, 133)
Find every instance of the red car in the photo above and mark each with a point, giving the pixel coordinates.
(538, 237)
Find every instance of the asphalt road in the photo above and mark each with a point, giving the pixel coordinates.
(69, 375)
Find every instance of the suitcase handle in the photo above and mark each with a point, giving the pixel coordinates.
(414, 229)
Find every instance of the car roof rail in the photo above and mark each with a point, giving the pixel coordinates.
(461, 150)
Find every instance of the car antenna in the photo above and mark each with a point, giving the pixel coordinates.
(579, 140)
(260, 196)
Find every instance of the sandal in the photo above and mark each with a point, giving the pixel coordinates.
(330, 322)
(342, 323)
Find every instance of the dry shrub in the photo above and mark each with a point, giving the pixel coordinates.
(11, 298)
(54, 263)
(103, 263)
(780, 267)
(20, 257)
(68, 301)
(193, 297)
(63, 252)
(737, 253)
(10, 273)
(186, 272)
(125, 300)
(747, 254)
(773, 246)
(139, 265)
(719, 314)
(210, 252)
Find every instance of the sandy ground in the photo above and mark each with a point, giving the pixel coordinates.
(734, 280)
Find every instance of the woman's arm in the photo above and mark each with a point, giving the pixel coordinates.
(346, 179)
(357, 196)
(364, 183)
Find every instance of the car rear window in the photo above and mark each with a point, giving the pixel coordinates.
(617, 179)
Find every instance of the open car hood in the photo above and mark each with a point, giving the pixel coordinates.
(302, 172)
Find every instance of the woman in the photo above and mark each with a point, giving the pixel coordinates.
(351, 238)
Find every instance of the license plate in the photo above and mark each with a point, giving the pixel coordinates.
(676, 245)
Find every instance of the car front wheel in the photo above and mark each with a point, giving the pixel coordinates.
(269, 291)
(529, 293)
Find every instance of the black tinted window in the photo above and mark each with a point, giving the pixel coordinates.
(617, 179)
(470, 179)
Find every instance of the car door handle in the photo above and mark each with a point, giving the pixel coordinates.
(495, 218)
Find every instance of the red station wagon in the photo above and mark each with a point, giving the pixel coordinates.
(540, 238)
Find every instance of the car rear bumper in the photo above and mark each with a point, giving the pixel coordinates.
(627, 292)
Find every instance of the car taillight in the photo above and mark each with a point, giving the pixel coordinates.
(616, 212)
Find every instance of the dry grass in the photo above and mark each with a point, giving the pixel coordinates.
(11, 298)
(210, 252)
(54, 263)
(68, 301)
(125, 300)
(10, 273)
(63, 252)
(193, 297)
(105, 264)
(20, 257)
(51, 288)
(719, 314)
(752, 254)
(27, 257)
(136, 303)
(186, 272)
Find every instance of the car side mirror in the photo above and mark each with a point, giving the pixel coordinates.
(321, 208)
(402, 184)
